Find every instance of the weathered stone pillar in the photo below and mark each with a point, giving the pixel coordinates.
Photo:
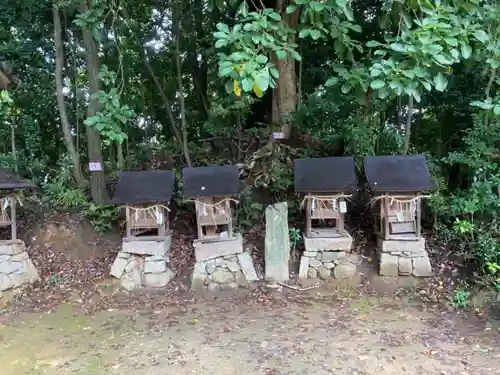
(277, 247)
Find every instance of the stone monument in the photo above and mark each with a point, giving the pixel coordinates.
(398, 184)
(143, 261)
(326, 183)
(221, 262)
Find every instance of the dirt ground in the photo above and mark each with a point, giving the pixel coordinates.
(319, 334)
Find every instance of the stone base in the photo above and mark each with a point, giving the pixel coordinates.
(16, 268)
(329, 241)
(143, 263)
(328, 264)
(403, 258)
(223, 273)
(215, 249)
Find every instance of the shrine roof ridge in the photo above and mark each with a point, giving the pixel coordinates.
(323, 175)
(398, 174)
(211, 181)
(144, 187)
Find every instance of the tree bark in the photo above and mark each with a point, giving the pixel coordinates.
(286, 92)
(406, 145)
(178, 63)
(66, 127)
(97, 180)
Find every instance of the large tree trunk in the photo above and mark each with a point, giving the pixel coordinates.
(97, 181)
(178, 63)
(285, 98)
(68, 137)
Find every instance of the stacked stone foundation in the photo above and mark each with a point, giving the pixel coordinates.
(16, 268)
(222, 265)
(403, 258)
(143, 263)
(328, 257)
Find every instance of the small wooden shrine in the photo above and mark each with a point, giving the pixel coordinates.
(326, 183)
(146, 196)
(398, 184)
(212, 189)
(10, 185)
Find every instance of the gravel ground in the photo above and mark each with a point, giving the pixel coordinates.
(359, 335)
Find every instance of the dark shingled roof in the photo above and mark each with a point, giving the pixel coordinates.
(213, 181)
(143, 187)
(395, 173)
(8, 180)
(323, 175)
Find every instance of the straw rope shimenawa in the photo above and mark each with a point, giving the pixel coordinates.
(219, 208)
(396, 199)
(5, 202)
(151, 210)
(323, 201)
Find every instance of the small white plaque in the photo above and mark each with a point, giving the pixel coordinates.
(399, 216)
(343, 207)
(95, 167)
(279, 135)
(159, 218)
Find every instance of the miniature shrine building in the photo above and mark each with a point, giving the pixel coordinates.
(9, 184)
(212, 189)
(397, 183)
(326, 183)
(16, 268)
(145, 195)
(144, 260)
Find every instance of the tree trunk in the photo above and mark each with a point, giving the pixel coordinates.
(68, 137)
(185, 146)
(13, 143)
(97, 180)
(286, 92)
(119, 153)
(406, 145)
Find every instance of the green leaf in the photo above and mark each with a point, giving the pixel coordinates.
(317, 7)
(222, 27)
(262, 80)
(225, 71)
(442, 59)
(482, 104)
(331, 81)
(261, 59)
(274, 16)
(280, 54)
(481, 35)
(243, 10)
(315, 34)
(398, 47)
(356, 28)
(229, 87)
(416, 95)
(375, 72)
(291, 8)
(221, 43)
(345, 88)
(274, 72)
(496, 110)
(426, 85)
(440, 82)
(373, 43)
(419, 72)
(466, 50)
(246, 85)
(451, 41)
(295, 55)
(377, 84)
(304, 33)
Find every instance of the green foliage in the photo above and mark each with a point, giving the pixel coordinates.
(113, 115)
(248, 211)
(461, 297)
(295, 237)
